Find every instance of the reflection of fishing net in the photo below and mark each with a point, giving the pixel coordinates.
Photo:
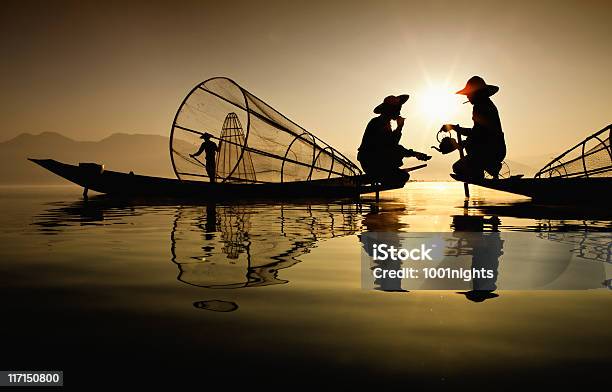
(590, 158)
(235, 226)
(210, 246)
(256, 143)
(595, 246)
(238, 246)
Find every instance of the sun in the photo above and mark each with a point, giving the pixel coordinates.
(438, 104)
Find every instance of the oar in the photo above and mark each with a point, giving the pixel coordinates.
(466, 188)
(405, 170)
(413, 168)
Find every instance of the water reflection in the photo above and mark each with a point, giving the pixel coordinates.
(545, 217)
(234, 246)
(221, 246)
(388, 221)
(586, 227)
(479, 237)
(104, 274)
(216, 305)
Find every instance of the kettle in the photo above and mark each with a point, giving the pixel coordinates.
(447, 144)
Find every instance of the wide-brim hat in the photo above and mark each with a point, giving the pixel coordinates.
(477, 84)
(391, 102)
(206, 136)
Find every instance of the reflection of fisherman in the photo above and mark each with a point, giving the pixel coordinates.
(383, 227)
(211, 221)
(485, 247)
(210, 148)
(485, 144)
(380, 153)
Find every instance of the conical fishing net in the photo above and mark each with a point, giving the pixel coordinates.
(230, 151)
(590, 158)
(255, 143)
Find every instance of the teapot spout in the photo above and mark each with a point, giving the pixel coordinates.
(436, 148)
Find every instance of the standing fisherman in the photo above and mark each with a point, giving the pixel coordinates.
(485, 144)
(380, 153)
(210, 148)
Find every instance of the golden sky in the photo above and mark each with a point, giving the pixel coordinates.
(89, 70)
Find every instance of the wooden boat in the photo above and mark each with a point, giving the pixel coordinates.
(128, 184)
(554, 189)
(580, 174)
(259, 153)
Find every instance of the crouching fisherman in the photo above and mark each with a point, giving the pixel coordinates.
(210, 148)
(485, 145)
(380, 153)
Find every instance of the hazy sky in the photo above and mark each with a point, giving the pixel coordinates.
(89, 69)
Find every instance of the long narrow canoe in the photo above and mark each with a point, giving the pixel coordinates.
(128, 184)
(557, 189)
(581, 174)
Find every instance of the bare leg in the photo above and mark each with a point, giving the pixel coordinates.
(466, 167)
(211, 173)
(494, 169)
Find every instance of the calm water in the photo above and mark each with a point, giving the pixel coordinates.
(261, 294)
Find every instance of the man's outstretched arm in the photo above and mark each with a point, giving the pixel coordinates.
(200, 151)
(455, 127)
(418, 155)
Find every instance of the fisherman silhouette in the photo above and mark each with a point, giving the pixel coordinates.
(485, 145)
(210, 148)
(380, 153)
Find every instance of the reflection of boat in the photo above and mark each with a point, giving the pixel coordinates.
(577, 218)
(238, 246)
(221, 246)
(597, 217)
(261, 154)
(582, 173)
(586, 229)
(587, 245)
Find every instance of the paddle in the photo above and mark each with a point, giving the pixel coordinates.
(466, 188)
(413, 168)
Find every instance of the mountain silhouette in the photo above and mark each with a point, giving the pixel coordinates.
(142, 154)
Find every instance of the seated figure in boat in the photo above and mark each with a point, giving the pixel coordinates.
(485, 145)
(210, 148)
(380, 153)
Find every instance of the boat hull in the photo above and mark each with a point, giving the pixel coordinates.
(128, 184)
(555, 188)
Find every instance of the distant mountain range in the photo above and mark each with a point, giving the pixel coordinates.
(144, 154)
